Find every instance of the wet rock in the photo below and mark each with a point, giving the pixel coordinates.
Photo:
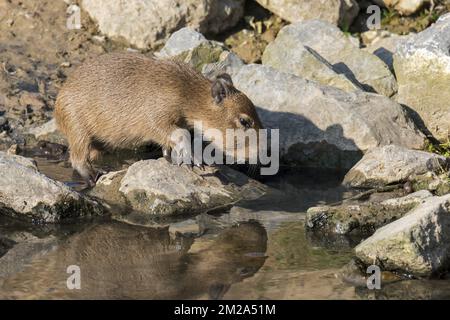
(417, 289)
(422, 66)
(404, 7)
(356, 273)
(147, 24)
(343, 53)
(362, 218)
(48, 132)
(29, 195)
(340, 12)
(47, 150)
(156, 188)
(322, 126)
(392, 164)
(293, 57)
(418, 243)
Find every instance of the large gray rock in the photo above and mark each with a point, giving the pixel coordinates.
(404, 7)
(418, 243)
(158, 188)
(27, 194)
(422, 66)
(338, 12)
(342, 52)
(293, 57)
(148, 23)
(392, 164)
(322, 126)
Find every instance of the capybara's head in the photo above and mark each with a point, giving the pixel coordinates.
(232, 109)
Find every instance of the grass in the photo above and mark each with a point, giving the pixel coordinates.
(442, 149)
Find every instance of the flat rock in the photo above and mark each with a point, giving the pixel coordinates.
(27, 194)
(157, 188)
(392, 164)
(343, 53)
(361, 219)
(418, 243)
(321, 126)
(422, 66)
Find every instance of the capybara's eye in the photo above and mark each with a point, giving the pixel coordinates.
(245, 123)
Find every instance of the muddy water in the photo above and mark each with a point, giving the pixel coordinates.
(256, 250)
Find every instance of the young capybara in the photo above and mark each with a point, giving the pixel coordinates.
(125, 100)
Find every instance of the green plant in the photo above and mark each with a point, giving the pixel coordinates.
(442, 148)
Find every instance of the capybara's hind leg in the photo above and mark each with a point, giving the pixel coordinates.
(80, 152)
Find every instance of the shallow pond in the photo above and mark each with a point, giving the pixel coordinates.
(255, 250)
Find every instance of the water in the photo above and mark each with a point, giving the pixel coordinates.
(256, 250)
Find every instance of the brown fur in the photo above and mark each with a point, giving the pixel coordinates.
(126, 100)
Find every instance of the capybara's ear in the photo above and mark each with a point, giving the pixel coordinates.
(222, 87)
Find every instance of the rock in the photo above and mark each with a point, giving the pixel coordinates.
(14, 149)
(156, 188)
(31, 99)
(404, 7)
(341, 51)
(192, 49)
(362, 219)
(384, 46)
(228, 63)
(322, 126)
(339, 12)
(4, 124)
(184, 40)
(411, 199)
(147, 24)
(392, 164)
(48, 132)
(208, 57)
(29, 195)
(418, 243)
(422, 66)
(293, 57)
